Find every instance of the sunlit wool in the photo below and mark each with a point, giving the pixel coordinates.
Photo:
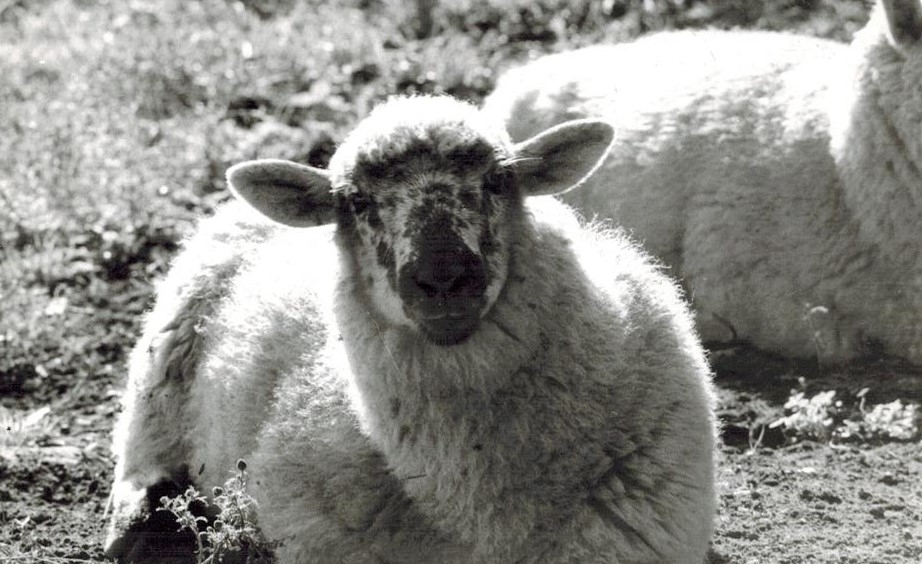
(778, 176)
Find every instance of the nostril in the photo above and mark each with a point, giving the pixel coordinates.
(450, 277)
(438, 281)
(457, 285)
(430, 290)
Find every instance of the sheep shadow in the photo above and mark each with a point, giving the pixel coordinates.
(714, 557)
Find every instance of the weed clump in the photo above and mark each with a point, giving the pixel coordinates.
(824, 417)
(234, 534)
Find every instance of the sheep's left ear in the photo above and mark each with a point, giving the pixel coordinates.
(289, 193)
(561, 157)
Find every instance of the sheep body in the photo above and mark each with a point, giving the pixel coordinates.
(777, 175)
(573, 425)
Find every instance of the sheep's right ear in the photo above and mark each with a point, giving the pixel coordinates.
(904, 21)
(562, 157)
(286, 192)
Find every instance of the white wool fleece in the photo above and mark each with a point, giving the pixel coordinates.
(778, 176)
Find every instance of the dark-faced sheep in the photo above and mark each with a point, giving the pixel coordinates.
(779, 176)
(457, 371)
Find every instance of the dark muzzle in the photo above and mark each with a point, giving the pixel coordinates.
(443, 290)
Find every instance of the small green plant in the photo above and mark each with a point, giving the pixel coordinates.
(235, 529)
(825, 418)
(813, 417)
(894, 420)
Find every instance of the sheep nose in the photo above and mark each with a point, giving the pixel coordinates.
(444, 290)
(449, 274)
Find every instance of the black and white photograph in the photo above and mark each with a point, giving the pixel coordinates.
(460, 281)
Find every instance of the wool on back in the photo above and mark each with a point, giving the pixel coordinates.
(777, 176)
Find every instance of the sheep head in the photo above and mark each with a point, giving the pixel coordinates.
(876, 106)
(427, 196)
(904, 21)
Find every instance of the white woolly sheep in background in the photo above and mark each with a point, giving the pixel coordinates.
(450, 374)
(779, 176)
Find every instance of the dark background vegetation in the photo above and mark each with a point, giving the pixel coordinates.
(117, 121)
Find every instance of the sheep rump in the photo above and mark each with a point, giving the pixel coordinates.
(778, 176)
(573, 425)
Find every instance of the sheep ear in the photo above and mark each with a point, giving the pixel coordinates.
(288, 193)
(562, 157)
(904, 21)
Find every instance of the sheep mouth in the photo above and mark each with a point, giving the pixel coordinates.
(446, 327)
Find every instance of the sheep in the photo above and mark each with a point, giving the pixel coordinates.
(778, 176)
(420, 365)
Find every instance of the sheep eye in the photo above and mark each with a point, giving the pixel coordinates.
(498, 181)
(360, 202)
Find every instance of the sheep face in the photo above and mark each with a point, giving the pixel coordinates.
(428, 200)
(893, 80)
(876, 120)
(429, 226)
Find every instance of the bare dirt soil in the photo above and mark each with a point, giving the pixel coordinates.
(807, 502)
